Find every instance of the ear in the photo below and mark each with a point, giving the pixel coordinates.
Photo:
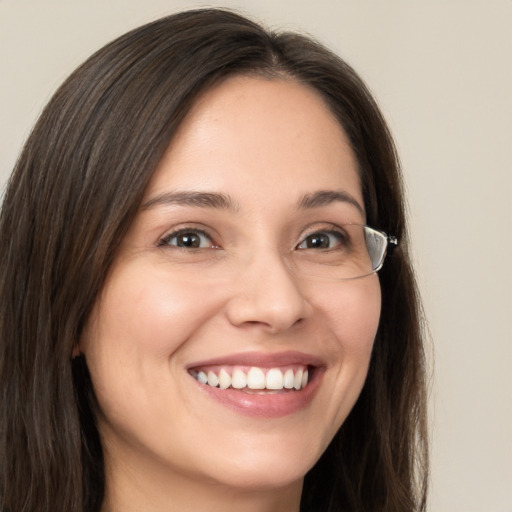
(76, 352)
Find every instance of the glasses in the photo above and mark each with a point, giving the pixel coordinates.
(351, 251)
(337, 253)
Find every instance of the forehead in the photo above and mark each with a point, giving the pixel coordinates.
(251, 133)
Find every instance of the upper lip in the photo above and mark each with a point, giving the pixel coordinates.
(262, 359)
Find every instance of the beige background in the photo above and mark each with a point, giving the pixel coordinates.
(442, 72)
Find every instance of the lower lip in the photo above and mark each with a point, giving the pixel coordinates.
(265, 405)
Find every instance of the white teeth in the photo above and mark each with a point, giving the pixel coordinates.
(213, 380)
(256, 378)
(304, 379)
(238, 379)
(288, 379)
(297, 381)
(224, 379)
(274, 379)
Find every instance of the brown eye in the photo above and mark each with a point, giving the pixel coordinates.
(321, 240)
(188, 239)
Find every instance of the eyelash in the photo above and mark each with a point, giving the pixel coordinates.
(165, 241)
(332, 231)
(340, 238)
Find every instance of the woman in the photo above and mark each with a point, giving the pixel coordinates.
(191, 316)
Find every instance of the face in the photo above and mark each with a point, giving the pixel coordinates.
(203, 290)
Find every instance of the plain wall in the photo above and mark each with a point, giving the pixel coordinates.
(442, 73)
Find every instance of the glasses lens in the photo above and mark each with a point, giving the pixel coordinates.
(350, 252)
(376, 243)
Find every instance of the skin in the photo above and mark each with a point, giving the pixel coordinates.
(168, 445)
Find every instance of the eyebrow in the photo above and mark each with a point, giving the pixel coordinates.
(190, 198)
(225, 202)
(326, 197)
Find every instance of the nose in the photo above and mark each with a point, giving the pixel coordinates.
(267, 294)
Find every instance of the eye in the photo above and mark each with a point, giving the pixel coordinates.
(188, 239)
(322, 240)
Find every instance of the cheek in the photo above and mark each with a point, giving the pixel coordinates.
(132, 341)
(132, 344)
(149, 314)
(352, 310)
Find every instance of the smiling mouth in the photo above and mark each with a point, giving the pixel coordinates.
(254, 379)
(261, 385)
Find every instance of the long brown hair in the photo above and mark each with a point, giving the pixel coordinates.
(75, 191)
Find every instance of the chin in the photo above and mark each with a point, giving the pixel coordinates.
(265, 467)
(264, 477)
